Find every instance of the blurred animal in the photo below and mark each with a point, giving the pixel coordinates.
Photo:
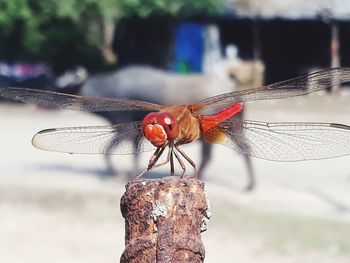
(146, 83)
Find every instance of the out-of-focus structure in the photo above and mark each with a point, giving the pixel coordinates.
(292, 37)
(289, 37)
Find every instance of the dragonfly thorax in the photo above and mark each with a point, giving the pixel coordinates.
(160, 128)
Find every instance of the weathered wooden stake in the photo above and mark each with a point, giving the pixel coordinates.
(164, 219)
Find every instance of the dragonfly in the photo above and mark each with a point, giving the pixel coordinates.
(169, 127)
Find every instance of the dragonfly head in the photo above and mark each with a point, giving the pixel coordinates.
(159, 128)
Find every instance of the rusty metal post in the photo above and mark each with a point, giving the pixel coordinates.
(164, 219)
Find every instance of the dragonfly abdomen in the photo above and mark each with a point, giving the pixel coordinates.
(210, 121)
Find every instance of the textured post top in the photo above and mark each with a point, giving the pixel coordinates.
(164, 219)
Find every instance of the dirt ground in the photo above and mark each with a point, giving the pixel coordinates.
(60, 208)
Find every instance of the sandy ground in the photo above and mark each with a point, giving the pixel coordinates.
(58, 207)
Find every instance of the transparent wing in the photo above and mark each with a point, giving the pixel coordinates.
(73, 102)
(283, 141)
(118, 139)
(294, 87)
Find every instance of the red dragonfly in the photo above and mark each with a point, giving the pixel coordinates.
(171, 126)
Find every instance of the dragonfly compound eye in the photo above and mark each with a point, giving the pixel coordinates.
(153, 129)
(168, 122)
(170, 125)
(159, 127)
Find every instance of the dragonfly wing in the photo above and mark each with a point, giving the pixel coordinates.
(73, 102)
(118, 139)
(290, 88)
(283, 141)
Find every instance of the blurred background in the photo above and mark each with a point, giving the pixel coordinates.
(65, 208)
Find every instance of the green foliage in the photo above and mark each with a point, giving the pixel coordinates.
(51, 30)
(175, 8)
(48, 29)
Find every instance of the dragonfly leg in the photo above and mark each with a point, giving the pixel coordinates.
(183, 167)
(188, 159)
(156, 155)
(166, 160)
(172, 170)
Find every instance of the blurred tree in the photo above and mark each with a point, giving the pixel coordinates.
(177, 8)
(65, 33)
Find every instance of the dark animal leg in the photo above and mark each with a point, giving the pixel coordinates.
(206, 155)
(188, 159)
(136, 156)
(251, 178)
(242, 145)
(110, 168)
(108, 158)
